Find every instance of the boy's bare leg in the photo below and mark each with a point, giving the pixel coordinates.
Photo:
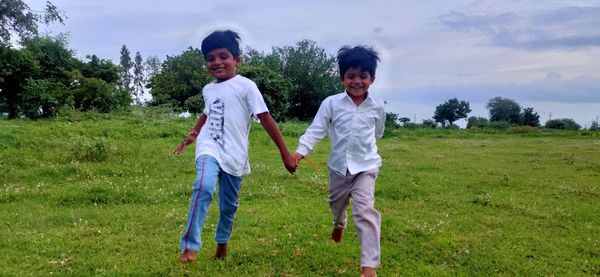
(368, 272)
(221, 252)
(337, 234)
(188, 256)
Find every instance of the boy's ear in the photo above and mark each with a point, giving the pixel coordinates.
(237, 60)
(372, 79)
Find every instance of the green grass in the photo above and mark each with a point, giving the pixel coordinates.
(101, 194)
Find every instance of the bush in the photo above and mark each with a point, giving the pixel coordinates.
(43, 98)
(194, 104)
(499, 125)
(562, 124)
(522, 130)
(479, 122)
(93, 94)
(91, 149)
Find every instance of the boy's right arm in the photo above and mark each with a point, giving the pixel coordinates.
(315, 132)
(192, 135)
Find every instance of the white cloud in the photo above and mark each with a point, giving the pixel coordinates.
(566, 27)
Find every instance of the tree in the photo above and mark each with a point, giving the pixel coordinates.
(504, 109)
(595, 126)
(404, 120)
(92, 94)
(181, 77)
(313, 73)
(56, 60)
(17, 17)
(126, 65)
(138, 77)
(428, 123)
(16, 67)
(530, 118)
(271, 61)
(42, 98)
(391, 120)
(100, 69)
(152, 67)
(274, 88)
(562, 124)
(451, 111)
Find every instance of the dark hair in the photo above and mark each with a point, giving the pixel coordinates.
(221, 39)
(362, 57)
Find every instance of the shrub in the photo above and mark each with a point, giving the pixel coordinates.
(562, 124)
(91, 149)
(499, 125)
(522, 130)
(194, 104)
(93, 94)
(479, 122)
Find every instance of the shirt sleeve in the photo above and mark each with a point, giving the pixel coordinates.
(380, 127)
(255, 100)
(317, 129)
(206, 104)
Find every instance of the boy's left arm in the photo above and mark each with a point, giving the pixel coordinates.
(380, 124)
(268, 123)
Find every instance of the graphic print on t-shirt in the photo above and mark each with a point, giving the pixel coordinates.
(216, 119)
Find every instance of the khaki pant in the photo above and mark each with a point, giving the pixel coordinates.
(361, 187)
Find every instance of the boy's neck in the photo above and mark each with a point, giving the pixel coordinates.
(224, 80)
(358, 100)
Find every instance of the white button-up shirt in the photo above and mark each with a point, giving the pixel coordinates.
(352, 130)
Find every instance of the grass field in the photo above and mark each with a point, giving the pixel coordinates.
(97, 194)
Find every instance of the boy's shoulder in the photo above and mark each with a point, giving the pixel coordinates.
(336, 96)
(377, 101)
(238, 81)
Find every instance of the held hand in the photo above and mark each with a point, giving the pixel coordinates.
(290, 164)
(297, 157)
(293, 161)
(182, 145)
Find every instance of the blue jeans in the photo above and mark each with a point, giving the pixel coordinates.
(208, 172)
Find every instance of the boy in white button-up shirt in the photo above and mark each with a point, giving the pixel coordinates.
(353, 120)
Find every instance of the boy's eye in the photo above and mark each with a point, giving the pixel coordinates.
(210, 58)
(224, 56)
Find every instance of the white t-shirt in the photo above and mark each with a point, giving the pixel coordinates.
(229, 106)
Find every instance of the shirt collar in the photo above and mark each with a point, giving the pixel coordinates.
(368, 98)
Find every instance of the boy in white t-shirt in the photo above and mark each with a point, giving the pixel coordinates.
(353, 120)
(221, 136)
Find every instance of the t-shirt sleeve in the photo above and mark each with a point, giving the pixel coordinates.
(255, 100)
(205, 110)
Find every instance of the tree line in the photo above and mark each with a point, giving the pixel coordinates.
(503, 113)
(43, 77)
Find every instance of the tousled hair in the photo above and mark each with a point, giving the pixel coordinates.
(362, 57)
(221, 39)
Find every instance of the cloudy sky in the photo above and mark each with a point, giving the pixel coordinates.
(542, 54)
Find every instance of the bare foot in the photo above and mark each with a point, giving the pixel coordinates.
(368, 272)
(188, 256)
(221, 252)
(337, 234)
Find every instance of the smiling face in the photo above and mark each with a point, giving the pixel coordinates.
(221, 64)
(357, 82)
